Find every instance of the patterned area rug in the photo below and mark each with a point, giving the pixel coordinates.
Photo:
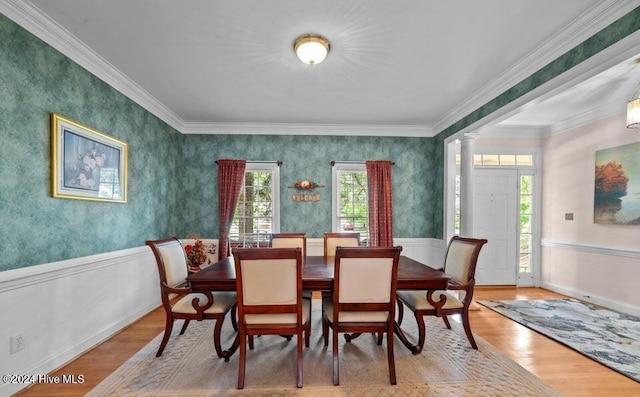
(608, 337)
(448, 366)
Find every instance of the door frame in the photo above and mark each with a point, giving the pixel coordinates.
(452, 147)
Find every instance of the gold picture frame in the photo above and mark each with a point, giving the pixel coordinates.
(86, 164)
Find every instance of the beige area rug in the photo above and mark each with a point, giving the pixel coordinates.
(447, 366)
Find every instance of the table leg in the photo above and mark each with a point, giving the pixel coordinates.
(414, 349)
(234, 346)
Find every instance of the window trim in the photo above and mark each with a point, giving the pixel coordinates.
(274, 169)
(335, 196)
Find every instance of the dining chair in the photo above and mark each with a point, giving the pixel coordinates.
(275, 307)
(364, 298)
(460, 263)
(290, 240)
(179, 301)
(333, 240)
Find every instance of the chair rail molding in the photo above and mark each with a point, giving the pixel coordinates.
(627, 252)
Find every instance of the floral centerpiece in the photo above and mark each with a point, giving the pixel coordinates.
(197, 252)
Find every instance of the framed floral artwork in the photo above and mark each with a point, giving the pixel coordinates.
(86, 164)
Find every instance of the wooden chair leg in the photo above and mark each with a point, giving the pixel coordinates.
(299, 359)
(336, 361)
(325, 331)
(307, 333)
(391, 356)
(242, 360)
(251, 342)
(446, 322)
(184, 326)
(379, 341)
(167, 333)
(467, 329)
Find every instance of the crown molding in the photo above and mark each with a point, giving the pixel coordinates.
(42, 26)
(591, 116)
(513, 131)
(583, 27)
(307, 129)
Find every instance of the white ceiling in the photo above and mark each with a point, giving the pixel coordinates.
(402, 67)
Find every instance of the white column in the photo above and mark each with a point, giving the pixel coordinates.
(466, 184)
(466, 191)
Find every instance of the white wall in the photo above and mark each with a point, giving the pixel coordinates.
(595, 262)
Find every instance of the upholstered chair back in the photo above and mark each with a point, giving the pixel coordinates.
(460, 262)
(269, 281)
(334, 240)
(290, 240)
(365, 280)
(174, 263)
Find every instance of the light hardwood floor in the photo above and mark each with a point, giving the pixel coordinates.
(568, 372)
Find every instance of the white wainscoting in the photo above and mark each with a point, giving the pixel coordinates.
(602, 275)
(65, 308)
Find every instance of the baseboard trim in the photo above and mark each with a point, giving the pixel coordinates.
(596, 300)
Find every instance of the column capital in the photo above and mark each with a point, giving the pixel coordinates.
(469, 136)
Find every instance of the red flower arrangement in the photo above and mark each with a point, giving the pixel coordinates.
(196, 253)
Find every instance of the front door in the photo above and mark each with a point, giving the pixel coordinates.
(495, 218)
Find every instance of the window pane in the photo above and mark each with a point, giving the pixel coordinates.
(354, 203)
(253, 217)
(524, 159)
(490, 159)
(525, 243)
(525, 184)
(477, 159)
(525, 263)
(507, 159)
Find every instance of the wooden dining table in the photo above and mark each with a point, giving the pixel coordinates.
(317, 275)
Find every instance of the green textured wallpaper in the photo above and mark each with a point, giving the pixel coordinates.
(172, 177)
(309, 157)
(35, 81)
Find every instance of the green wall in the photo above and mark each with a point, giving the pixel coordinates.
(309, 157)
(35, 81)
(172, 177)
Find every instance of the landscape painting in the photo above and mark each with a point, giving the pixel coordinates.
(617, 185)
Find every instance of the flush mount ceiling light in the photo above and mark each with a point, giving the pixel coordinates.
(633, 107)
(311, 48)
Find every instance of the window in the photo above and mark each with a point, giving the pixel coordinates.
(351, 200)
(526, 212)
(257, 213)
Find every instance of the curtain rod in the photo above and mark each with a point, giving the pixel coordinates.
(279, 162)
(333, 162)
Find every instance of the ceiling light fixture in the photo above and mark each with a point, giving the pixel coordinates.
(311, 48)
(633, 107)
